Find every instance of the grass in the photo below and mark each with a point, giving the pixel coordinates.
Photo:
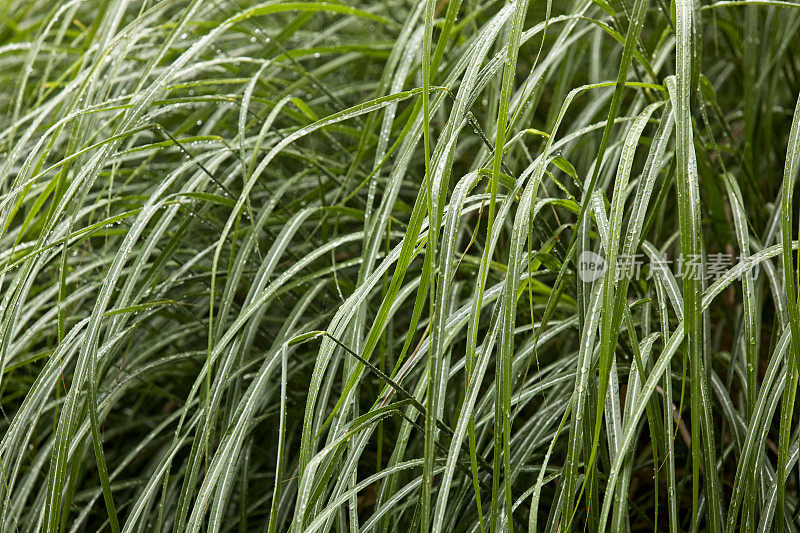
(312, 266)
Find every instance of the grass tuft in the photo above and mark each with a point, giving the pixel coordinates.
(435, 265)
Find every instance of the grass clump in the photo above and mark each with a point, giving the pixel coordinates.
(444, 265)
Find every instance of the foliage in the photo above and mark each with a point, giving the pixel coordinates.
(300, 265)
